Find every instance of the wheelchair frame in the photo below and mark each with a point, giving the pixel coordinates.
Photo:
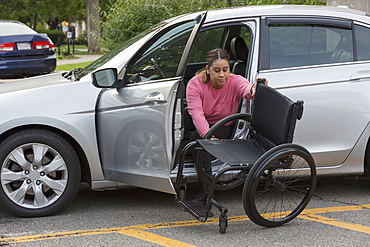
(277, 186)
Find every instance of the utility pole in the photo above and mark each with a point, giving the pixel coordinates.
(92, 15)
(363, 5)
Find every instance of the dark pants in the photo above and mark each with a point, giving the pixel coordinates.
(224, 132)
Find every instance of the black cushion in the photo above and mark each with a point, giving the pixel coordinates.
(274, 115)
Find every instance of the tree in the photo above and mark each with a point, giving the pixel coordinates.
(92, 18)
(126, 18)
(42, 11)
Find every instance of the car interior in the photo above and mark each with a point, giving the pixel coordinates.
(238, 50)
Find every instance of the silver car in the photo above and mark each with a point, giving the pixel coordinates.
(121, 120)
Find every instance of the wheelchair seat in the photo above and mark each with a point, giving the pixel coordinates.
(272, 122)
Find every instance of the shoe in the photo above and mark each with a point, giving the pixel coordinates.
(201, 198)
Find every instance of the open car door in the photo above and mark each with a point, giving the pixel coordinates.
(135, 122)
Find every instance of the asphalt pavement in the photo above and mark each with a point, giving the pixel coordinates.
(337, 215)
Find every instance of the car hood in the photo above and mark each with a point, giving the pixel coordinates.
(33, 82)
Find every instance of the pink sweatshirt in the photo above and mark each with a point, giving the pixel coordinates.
(208, 105)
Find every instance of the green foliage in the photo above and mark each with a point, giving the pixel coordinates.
(126, 18)
(42, 11)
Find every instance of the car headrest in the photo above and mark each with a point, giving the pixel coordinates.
(239, 48)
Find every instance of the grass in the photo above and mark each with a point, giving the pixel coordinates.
(68, 67)
(78, 48)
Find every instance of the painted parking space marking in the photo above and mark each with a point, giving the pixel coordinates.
(334, 222)
(140, 231)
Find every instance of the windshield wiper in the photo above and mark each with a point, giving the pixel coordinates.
(71, 75)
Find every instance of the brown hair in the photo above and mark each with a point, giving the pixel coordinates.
(213, 55)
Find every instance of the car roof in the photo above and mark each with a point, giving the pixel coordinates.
(288, 10)
(11, 21)
(278, 10)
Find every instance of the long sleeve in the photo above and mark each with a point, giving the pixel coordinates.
(194, 96)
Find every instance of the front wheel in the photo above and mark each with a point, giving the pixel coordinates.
(39, 173)
(280, 185)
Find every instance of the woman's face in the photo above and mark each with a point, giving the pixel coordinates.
(218, 72)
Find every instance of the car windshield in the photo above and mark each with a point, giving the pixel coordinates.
(13, 28)
(104, 59)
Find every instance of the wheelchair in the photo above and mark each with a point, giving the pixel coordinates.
(279, 177)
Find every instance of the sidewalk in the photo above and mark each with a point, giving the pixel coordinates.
(79, 59)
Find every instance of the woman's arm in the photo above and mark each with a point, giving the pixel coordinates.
(195, 106)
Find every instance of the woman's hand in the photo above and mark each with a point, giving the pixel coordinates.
(253, 89)
(262, 80)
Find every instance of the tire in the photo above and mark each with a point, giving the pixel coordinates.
(227, 181)
(40, 173)
(223, 225)
(280, 185)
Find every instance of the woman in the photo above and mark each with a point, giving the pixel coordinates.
(215, 93)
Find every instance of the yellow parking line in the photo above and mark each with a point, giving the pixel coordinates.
(154, 238)
(336, 209)
(334, 222)
(138, 230)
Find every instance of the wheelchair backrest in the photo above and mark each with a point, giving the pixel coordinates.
(274, 115)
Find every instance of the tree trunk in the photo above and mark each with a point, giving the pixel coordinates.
(92, 16)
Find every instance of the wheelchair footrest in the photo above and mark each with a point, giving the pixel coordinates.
(196, 209)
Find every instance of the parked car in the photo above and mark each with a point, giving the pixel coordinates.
(23, 51)
(120, 120)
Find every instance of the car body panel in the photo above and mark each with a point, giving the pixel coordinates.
(125, 114)
(137, 148)
(63, 105)
(320, 96)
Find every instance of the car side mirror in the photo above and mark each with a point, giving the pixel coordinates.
(105, 78)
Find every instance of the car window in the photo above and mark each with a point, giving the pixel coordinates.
(217, 37)
(294, 45)
(362, 42)
(207, 40)
(162, 58)
(12, 28)
(245, 33)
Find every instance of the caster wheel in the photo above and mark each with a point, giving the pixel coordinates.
(223, 225)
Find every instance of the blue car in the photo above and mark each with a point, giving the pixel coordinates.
(24, 52)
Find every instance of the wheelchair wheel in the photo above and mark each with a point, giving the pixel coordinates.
(207, 168)
(280, 185)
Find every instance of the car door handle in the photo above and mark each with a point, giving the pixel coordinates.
(155, 98)
(362, 74)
